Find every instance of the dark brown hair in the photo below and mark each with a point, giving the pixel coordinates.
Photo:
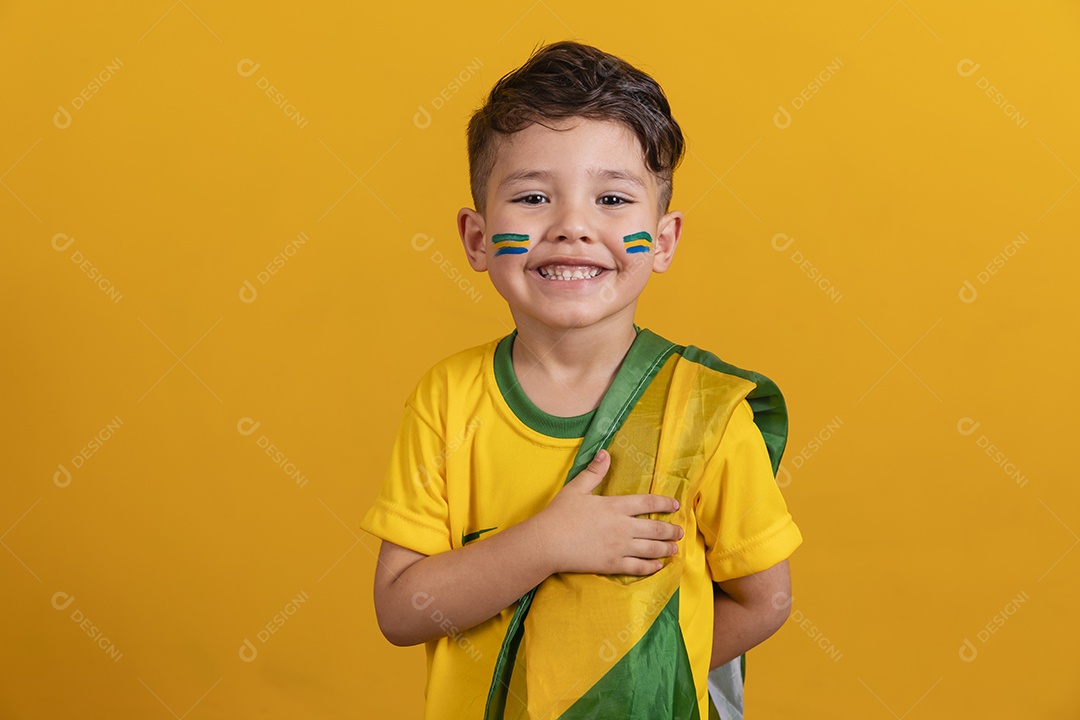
(565, 80)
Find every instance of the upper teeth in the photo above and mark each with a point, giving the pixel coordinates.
(563, 272)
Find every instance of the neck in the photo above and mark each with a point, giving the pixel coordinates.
(572, 356)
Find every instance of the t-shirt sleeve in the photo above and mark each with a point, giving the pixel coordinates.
(411, 509)
(740, 509)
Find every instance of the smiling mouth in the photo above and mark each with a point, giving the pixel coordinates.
(569, 272)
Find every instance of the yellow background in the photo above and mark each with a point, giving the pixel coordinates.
(179, 180)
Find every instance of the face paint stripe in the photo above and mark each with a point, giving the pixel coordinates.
(510, 243)
(639, 242)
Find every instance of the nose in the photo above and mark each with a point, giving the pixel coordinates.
(573, 222)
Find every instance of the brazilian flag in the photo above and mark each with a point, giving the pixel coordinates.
(610, 646)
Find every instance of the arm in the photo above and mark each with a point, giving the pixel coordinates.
(748, 610)
(415, 593)
(420, 597)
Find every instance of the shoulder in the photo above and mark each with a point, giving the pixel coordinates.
(462, 365)
(697, 355)
(741, 426)
(456, 375)
(763, 400)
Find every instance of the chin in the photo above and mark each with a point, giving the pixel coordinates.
(569, 322)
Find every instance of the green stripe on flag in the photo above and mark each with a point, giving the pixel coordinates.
(653, 680)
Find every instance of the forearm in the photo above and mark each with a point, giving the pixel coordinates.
(450, 592)
(739, 627)
(419, 598)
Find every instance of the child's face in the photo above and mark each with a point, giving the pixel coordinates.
(572, 230)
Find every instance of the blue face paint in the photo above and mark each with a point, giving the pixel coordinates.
(638, 242)
(510, 244)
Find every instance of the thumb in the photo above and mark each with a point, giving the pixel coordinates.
(589, 478)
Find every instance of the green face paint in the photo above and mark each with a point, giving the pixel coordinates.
(510, 244)
(638, 242)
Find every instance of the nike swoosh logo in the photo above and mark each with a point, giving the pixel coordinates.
(466, 539)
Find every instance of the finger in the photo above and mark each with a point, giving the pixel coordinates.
(645, 504)
(636, 566)
(645, 529)
(650, 549)
(588, 479)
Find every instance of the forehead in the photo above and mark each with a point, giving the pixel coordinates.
(575, 146)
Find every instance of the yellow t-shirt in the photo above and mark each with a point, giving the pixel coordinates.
(474, 456)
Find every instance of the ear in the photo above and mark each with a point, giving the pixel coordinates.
(668, 232)
(470, 225)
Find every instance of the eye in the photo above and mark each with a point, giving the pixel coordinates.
(614, 200)
(531, 199)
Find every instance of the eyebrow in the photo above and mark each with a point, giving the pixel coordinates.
(606, 174)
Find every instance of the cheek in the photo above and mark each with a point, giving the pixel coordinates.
(509, 244)
(635, 267)
(506, 271)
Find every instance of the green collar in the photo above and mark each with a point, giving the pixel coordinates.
(523, 407)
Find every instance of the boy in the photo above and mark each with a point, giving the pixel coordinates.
(677, 563)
